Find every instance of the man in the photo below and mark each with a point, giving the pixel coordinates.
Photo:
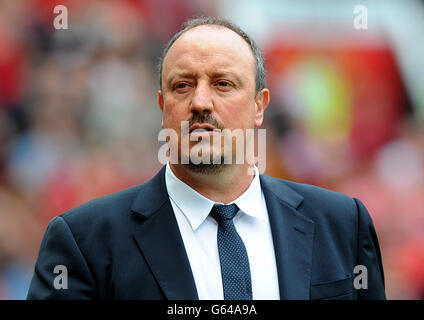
(212, 229)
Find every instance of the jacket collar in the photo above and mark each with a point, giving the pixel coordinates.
(159, 239)
(293, 235)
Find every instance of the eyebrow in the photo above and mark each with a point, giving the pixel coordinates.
(181, 75)
(213, 75)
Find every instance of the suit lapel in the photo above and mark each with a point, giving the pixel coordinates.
(160, 241)
(292, 234)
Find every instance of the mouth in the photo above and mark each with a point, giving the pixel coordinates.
(202, 130)
(201, 127)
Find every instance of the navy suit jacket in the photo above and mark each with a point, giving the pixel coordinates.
(127, 245)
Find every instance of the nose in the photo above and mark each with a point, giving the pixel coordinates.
(202, 99)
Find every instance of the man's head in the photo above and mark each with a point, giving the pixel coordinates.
(260, 72)
(209, 76)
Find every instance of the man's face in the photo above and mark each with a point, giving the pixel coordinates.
(209, 80)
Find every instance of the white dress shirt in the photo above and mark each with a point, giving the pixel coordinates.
(199, 234)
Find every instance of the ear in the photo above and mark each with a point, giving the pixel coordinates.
(261, 103)
(160, 100)
(160, 103)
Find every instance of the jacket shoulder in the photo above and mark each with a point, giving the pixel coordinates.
(104, 206)
(313, 201)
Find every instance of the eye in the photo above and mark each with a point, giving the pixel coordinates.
(181, 87)
(224, 85)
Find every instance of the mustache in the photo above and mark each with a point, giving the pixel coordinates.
(205, 118)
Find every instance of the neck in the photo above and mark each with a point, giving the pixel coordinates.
(224, 186)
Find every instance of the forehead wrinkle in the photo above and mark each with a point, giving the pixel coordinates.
(213, 70)
(209, 46)
(212, 65)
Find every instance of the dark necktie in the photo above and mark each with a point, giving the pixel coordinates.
(233, 257)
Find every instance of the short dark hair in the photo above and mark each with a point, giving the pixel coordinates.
(260, 79)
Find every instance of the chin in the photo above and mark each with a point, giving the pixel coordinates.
(207, 168)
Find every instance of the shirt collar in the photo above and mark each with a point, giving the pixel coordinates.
(250, 201)
(197, 207)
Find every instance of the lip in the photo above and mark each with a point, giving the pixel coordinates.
(205, 126)
(202, 134)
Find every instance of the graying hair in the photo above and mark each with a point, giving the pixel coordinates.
(260, 79)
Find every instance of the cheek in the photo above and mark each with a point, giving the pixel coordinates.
(240, 114)
(172, 116)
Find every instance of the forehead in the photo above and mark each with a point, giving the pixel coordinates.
(209, 46)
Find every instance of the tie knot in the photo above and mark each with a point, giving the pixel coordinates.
(224, 212)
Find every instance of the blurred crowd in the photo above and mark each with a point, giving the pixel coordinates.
(79, 119)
